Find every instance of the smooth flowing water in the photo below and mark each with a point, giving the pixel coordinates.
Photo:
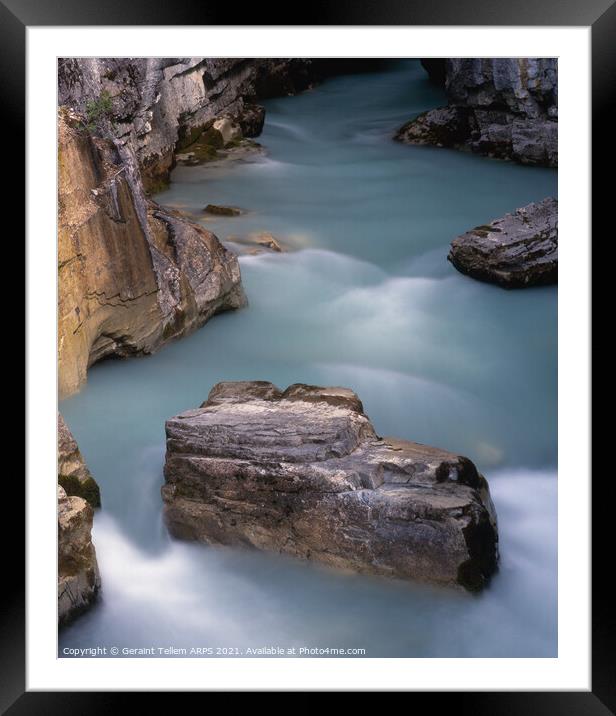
(365, 298)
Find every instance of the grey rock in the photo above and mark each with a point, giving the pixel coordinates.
(303, 472)
(440, 127)
(501, 107)
(518, 250)
(73, 473)
(160, 104)
(79, 579)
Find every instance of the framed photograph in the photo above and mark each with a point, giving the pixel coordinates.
(307, 371)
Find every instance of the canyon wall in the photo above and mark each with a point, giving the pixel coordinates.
(160, 105)
(79, 580)
(131, 275)
(500, 107)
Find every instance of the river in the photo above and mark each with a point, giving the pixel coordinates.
(364, 298)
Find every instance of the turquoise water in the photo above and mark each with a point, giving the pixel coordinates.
(363, 298)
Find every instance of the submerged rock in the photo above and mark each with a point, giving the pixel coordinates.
(73, 473)
(78, 576)
(257, 243)
(268, 241)
(518, 250)
(302, 472)
(500, 107)
(218, 210)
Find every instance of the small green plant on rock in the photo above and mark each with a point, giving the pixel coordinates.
(98, 111)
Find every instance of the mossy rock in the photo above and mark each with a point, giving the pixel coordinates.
(204, 152)
(212, 137)
(189, 135)
(88, 489)
(155, 185)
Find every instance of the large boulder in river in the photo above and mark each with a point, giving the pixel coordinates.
(303, 472)
(78, 576)
(518, 250)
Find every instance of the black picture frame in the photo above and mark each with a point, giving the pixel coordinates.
(600, 15)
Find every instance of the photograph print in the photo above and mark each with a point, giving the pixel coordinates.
(307, 357)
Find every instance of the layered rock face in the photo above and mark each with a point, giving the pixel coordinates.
(160, 105)
(78, 576)
(501, 107)
(518, 250)
(73, 473)
(131, 275)
(302, 472)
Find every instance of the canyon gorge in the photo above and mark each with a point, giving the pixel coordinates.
(334, 224)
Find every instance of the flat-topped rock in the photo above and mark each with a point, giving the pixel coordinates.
(518, 250)
(303, 472)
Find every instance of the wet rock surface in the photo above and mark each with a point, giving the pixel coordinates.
(219, 210)
(256, 243)
(501, 107)
(78, 575)
(303, 472)
(73, 473)
(518, 250)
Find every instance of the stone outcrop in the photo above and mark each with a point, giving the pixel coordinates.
(302, 472)
(500, 107)
(158, 105)
(518, 250)
(78, 576)
(131, 275)
(73, 473)
(163, 105)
